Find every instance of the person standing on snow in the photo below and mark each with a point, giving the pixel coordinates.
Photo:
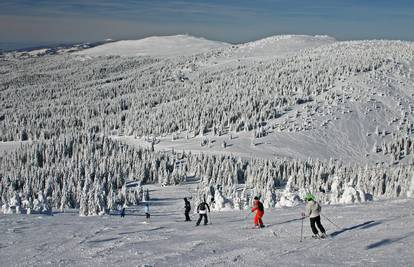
(202, 211)
(313, 211)
(187, 207)
(258, 207)
(147, 214)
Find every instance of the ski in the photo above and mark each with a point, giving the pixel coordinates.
(316, 238)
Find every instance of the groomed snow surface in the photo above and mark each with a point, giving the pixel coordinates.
(373, 234)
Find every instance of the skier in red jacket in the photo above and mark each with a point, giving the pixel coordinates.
(258, 207)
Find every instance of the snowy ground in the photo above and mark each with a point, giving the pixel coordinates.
(374, 234)
(11, 146)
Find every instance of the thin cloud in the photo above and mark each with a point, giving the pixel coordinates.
(229, 20)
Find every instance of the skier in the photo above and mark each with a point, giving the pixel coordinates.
(187, 210)
(202, 211)
(212, 202)
(313, 211)
(123, 212)
(258, 207)
(147, 214)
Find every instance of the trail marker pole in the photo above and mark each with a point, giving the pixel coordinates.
(301, 230)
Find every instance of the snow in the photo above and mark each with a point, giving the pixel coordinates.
(162, 46)
(279, 45)
(297, 114)
(374, 234)
(11, 146)
(179, 45)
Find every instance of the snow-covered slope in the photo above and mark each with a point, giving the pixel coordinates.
(348, 104)
(160, 46)
(374, 234)
(275, 118)
(279, 45)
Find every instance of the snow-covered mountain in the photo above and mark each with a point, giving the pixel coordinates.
(279, 45)
(39, 51)
(180, 116)
(276, 117)
(160, 46)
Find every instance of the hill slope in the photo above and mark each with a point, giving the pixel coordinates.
(377, 234)
(160, 46)
(349, 104)
(279, 45)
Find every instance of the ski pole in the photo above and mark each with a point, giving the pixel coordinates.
(248, 215)
(330, 221)
(301, 230)
(247, 223)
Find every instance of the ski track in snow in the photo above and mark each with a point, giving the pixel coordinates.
(374, 234)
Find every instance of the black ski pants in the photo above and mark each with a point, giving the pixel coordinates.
(317, 221)
(187, 215)
(201, 217)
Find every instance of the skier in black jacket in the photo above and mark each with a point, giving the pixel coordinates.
(202, 211)
(187, 210)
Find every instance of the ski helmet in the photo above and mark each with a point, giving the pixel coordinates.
(309, 197)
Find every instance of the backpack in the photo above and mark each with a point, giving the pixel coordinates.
(187, 205)
(260, 206)
(202, 206)
(318, 207)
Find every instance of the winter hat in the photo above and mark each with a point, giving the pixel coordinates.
(309, 197)
(256, 198)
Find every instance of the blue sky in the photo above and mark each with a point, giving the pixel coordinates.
(52, 21)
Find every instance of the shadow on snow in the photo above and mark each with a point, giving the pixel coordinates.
(388, 241)
(365, 225)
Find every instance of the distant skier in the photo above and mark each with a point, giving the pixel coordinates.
(313, 211)
(202, 211)
(258, 207)
(123, 212)
(147, 212)
(212, 202)
(187, 207)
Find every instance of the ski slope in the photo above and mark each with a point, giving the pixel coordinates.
(374, 234)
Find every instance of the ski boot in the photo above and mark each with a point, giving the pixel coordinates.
(316, 236)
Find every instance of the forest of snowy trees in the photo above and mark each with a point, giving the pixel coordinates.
(68, 106)
(89, 172)
(143, 96)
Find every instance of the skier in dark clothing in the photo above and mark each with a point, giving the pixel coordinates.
(313, 211)
(187, 210)
(123, 212)
(202, 211)
(147, 213)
